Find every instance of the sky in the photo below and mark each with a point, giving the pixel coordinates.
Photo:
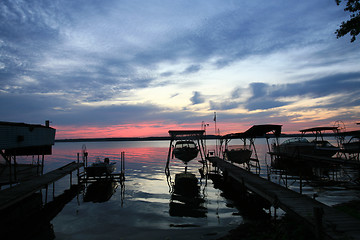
(138, 68)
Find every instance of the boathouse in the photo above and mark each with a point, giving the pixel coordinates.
(22, 139)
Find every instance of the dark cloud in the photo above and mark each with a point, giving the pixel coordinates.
(62, 111)
(224, 105)
(264, 96)
(319, 87)
(192, 69)
(197, 98)
(166, 74)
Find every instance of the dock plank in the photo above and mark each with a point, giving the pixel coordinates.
(19, 192)
(336, 224)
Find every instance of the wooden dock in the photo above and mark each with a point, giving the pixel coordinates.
(19, 192)
(323, 220)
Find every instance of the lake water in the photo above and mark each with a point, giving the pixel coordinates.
(140, 208)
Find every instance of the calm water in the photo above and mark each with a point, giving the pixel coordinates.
(140, 208)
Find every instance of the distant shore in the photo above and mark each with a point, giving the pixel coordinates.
(167, 138)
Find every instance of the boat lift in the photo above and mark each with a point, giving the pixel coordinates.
(251, 134)
(178, 135)
(84, 178)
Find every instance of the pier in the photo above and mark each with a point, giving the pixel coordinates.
(326, 222)
(13, 195)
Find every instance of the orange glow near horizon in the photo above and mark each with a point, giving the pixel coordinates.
(161, 130)
(126, 130)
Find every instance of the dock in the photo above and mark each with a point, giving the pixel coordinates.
(19, 192)
(326, 222)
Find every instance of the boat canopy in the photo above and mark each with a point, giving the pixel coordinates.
(318, 129)
(355, 133)
(186, 134)
(256, 131)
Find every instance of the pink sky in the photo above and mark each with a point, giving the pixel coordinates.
(151, 130)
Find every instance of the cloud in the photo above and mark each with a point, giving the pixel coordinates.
(192, 69)
(224, 105)
(264, 96)
(197, 98)
(83, 62)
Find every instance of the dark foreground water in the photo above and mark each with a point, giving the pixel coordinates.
(141, 207)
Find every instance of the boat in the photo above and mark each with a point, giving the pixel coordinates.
(185, 150)
(353, 145)
(302, 146)
(99, 168)
(238, 155)
(242, 153)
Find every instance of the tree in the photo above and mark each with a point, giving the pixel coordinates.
(351, 26)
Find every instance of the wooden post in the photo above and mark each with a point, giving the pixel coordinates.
(300, 183)
(78, 168)
(318, 215)
(53, 190)
(167, 171)
(10, 173)
(15, 175)
(42, 164)
(46, 193)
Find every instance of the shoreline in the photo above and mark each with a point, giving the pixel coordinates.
(168, 138)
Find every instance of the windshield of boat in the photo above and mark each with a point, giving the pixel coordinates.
(295, 140)
(185, 145)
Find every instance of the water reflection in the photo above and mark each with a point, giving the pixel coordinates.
(101, 190)
(186, 200)
(31, 218)
(149, 198)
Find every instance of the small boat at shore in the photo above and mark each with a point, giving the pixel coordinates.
(185, 150)
(99, 168)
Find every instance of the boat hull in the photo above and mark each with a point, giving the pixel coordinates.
(238, 155)
(185, 151)
(186, 155)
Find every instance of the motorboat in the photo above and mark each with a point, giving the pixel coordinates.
(99, 168)
(238, 155)
(353, 145)
(302, 146)
(242, 153)
(185, 150)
